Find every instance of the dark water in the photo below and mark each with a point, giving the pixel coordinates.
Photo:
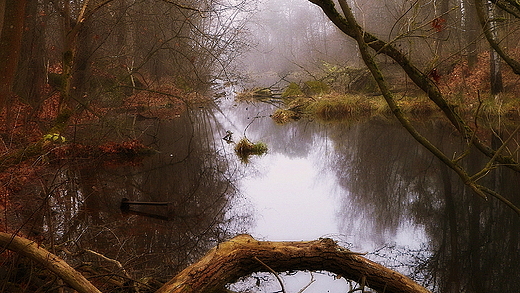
(367, 184)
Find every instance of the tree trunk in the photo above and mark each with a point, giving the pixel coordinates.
(31, 73)
(244, 255)
(494, 58)
(470, 32)
(50, 261)
(10, 43)
(488, 25)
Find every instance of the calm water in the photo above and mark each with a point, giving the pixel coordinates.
(366, 184)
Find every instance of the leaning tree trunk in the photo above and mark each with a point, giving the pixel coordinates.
(244, 255)
(50, 261)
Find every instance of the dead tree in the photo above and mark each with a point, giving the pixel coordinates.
(241, 256)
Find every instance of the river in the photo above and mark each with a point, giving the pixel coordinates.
(367, 184)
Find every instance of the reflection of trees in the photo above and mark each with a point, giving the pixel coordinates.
(392, 182)
(189, 173)
(294, 140)
(385, 172)
(477, 249)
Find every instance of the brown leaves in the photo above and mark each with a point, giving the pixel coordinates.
(439, 24)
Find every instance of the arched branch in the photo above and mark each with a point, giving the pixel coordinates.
(237, 257)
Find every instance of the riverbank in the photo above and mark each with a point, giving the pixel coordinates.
(466, 89)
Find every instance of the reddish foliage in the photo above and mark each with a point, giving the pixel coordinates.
(439, 24)
(468, 82)
(12, 181)
(434, 74)
(131, 148)
(163, 103)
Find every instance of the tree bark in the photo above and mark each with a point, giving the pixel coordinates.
(244, 255)
(10, 43)
(50, 261)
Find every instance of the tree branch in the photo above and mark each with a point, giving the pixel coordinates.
(50, 261)
(237, 257)
(487, 29)
(356, 32)
(419, 78)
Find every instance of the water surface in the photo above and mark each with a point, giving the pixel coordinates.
(367, 184)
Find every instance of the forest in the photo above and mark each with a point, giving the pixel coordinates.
(115, 135)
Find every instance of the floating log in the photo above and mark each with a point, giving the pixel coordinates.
(126, 203)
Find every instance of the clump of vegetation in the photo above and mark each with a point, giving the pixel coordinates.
(282, 116)
(293, 90)
(262, 92)
(245, 148)
(254, 94)
(340, 107)
(316, 87)
(419, 106)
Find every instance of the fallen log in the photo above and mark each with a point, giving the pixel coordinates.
(239, 257)
(52, 262)
(243, 255)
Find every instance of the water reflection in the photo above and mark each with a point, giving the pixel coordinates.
(396, 201)
(366, 183)
(191, 173)
(392, 184)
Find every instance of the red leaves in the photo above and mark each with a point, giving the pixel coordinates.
(434, 74)
(439, 24)
(132, 148)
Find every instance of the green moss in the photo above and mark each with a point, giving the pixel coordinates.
(292, 90)
(316, 87)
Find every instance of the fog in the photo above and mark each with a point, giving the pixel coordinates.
(294, 36)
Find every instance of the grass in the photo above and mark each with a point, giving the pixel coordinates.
(245, 149)
(340, 107)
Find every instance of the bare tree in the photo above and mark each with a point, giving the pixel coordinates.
(349, 25)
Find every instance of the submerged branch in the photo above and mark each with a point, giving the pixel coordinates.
(273, 272)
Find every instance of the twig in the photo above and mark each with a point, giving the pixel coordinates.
(272, 271)
(307, 286)
(117, 263)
